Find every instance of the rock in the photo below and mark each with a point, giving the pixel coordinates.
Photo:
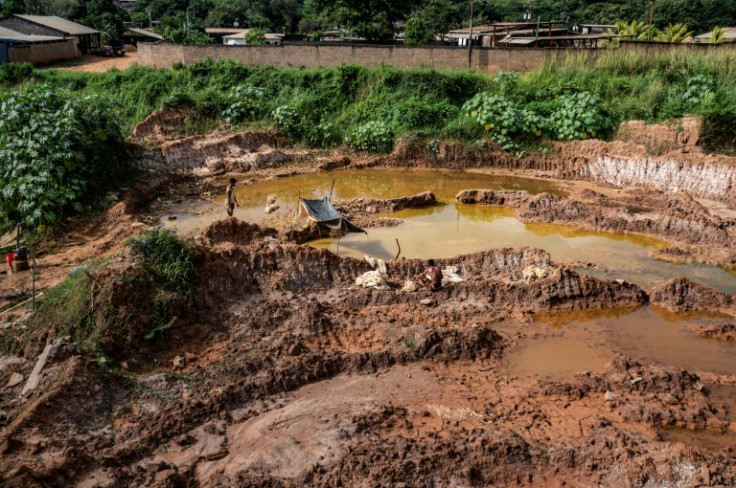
(636, 380)
(271, 208)
(15, 380)
(178, 362)
(610, 396)
(172, 217)
(427, 301)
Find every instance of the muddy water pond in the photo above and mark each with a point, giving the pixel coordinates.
(568, 343)
(451, 229)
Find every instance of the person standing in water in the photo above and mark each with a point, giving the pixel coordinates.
(231, 202)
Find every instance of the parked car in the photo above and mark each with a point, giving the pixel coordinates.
(118, 48)
(108, 52)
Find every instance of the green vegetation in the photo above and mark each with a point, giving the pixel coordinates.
(58, 152)
(368, 108)
(416, 32)
(255, 36)
(117, 311)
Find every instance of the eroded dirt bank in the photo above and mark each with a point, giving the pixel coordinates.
(285, 372)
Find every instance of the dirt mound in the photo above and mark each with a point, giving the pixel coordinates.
(682, 294)
(374, 206)
(722, 330)
(503, 198)
(659, 139)
(234, 231)
(215, 153)
(164, 125)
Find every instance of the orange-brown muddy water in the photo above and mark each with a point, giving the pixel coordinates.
(450, 229)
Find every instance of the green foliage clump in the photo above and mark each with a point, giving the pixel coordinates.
(14, 73)
(243, 103)
(58, 153)
(166, 258)
(416, 32)
(578, 116)
(374, 135)
(255, 36)
(505, 121)
(288, 119)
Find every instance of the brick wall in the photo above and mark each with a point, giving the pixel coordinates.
(489, 60)
(43, 53)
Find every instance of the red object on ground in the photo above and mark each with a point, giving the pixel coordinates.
(9, 259)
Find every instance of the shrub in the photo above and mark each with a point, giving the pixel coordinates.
(504, 121)
(414, 113)
(416, 32)
(244, 102)
(324, 134)
(58, 153)
(167, 258)
(255, 36)
(13, 73)
(288, 119)
(371, 136)
(578, 116)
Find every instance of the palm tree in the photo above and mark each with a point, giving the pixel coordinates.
(674, 33)
(718, 35)
(634, 31)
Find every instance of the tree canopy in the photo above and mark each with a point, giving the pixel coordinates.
(376, 19)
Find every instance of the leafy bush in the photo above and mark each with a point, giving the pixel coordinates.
(58, 153)
(416, 32)
(167, 258)
(324, 134)
(255, 36)
(244, 102)
(13, 73)
(288, 119)
(578, 116)
(371, 136)
(504, 121)
(414, 113)
(698, 88)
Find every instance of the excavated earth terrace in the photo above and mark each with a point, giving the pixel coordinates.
(590, 340)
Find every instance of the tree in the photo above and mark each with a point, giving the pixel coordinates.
(717, 35)
(372, 19)
(440, 16)
(9, 8)
(416, 32)
(255, 36)
(674, 33)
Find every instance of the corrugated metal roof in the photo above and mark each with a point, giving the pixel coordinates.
(11, 35)
(144, 32)
(57, 23)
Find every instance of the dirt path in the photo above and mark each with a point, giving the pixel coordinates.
(97, 64)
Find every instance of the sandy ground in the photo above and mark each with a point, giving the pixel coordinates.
(97, 64)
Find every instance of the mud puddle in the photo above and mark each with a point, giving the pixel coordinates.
(349, 184)
(723, 398)
(569, 343)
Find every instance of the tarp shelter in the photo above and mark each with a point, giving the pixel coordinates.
(323, 212)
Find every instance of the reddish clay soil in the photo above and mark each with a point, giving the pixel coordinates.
(283, 372)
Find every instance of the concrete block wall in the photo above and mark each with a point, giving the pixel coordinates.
(488, 60)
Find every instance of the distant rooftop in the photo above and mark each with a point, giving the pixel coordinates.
(730, 33)
(57, 23)
(144, 32)
(11, 35)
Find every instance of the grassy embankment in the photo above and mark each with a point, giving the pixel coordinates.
(367, 108)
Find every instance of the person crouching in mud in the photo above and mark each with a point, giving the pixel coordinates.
(231, 202)
(432, 276)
